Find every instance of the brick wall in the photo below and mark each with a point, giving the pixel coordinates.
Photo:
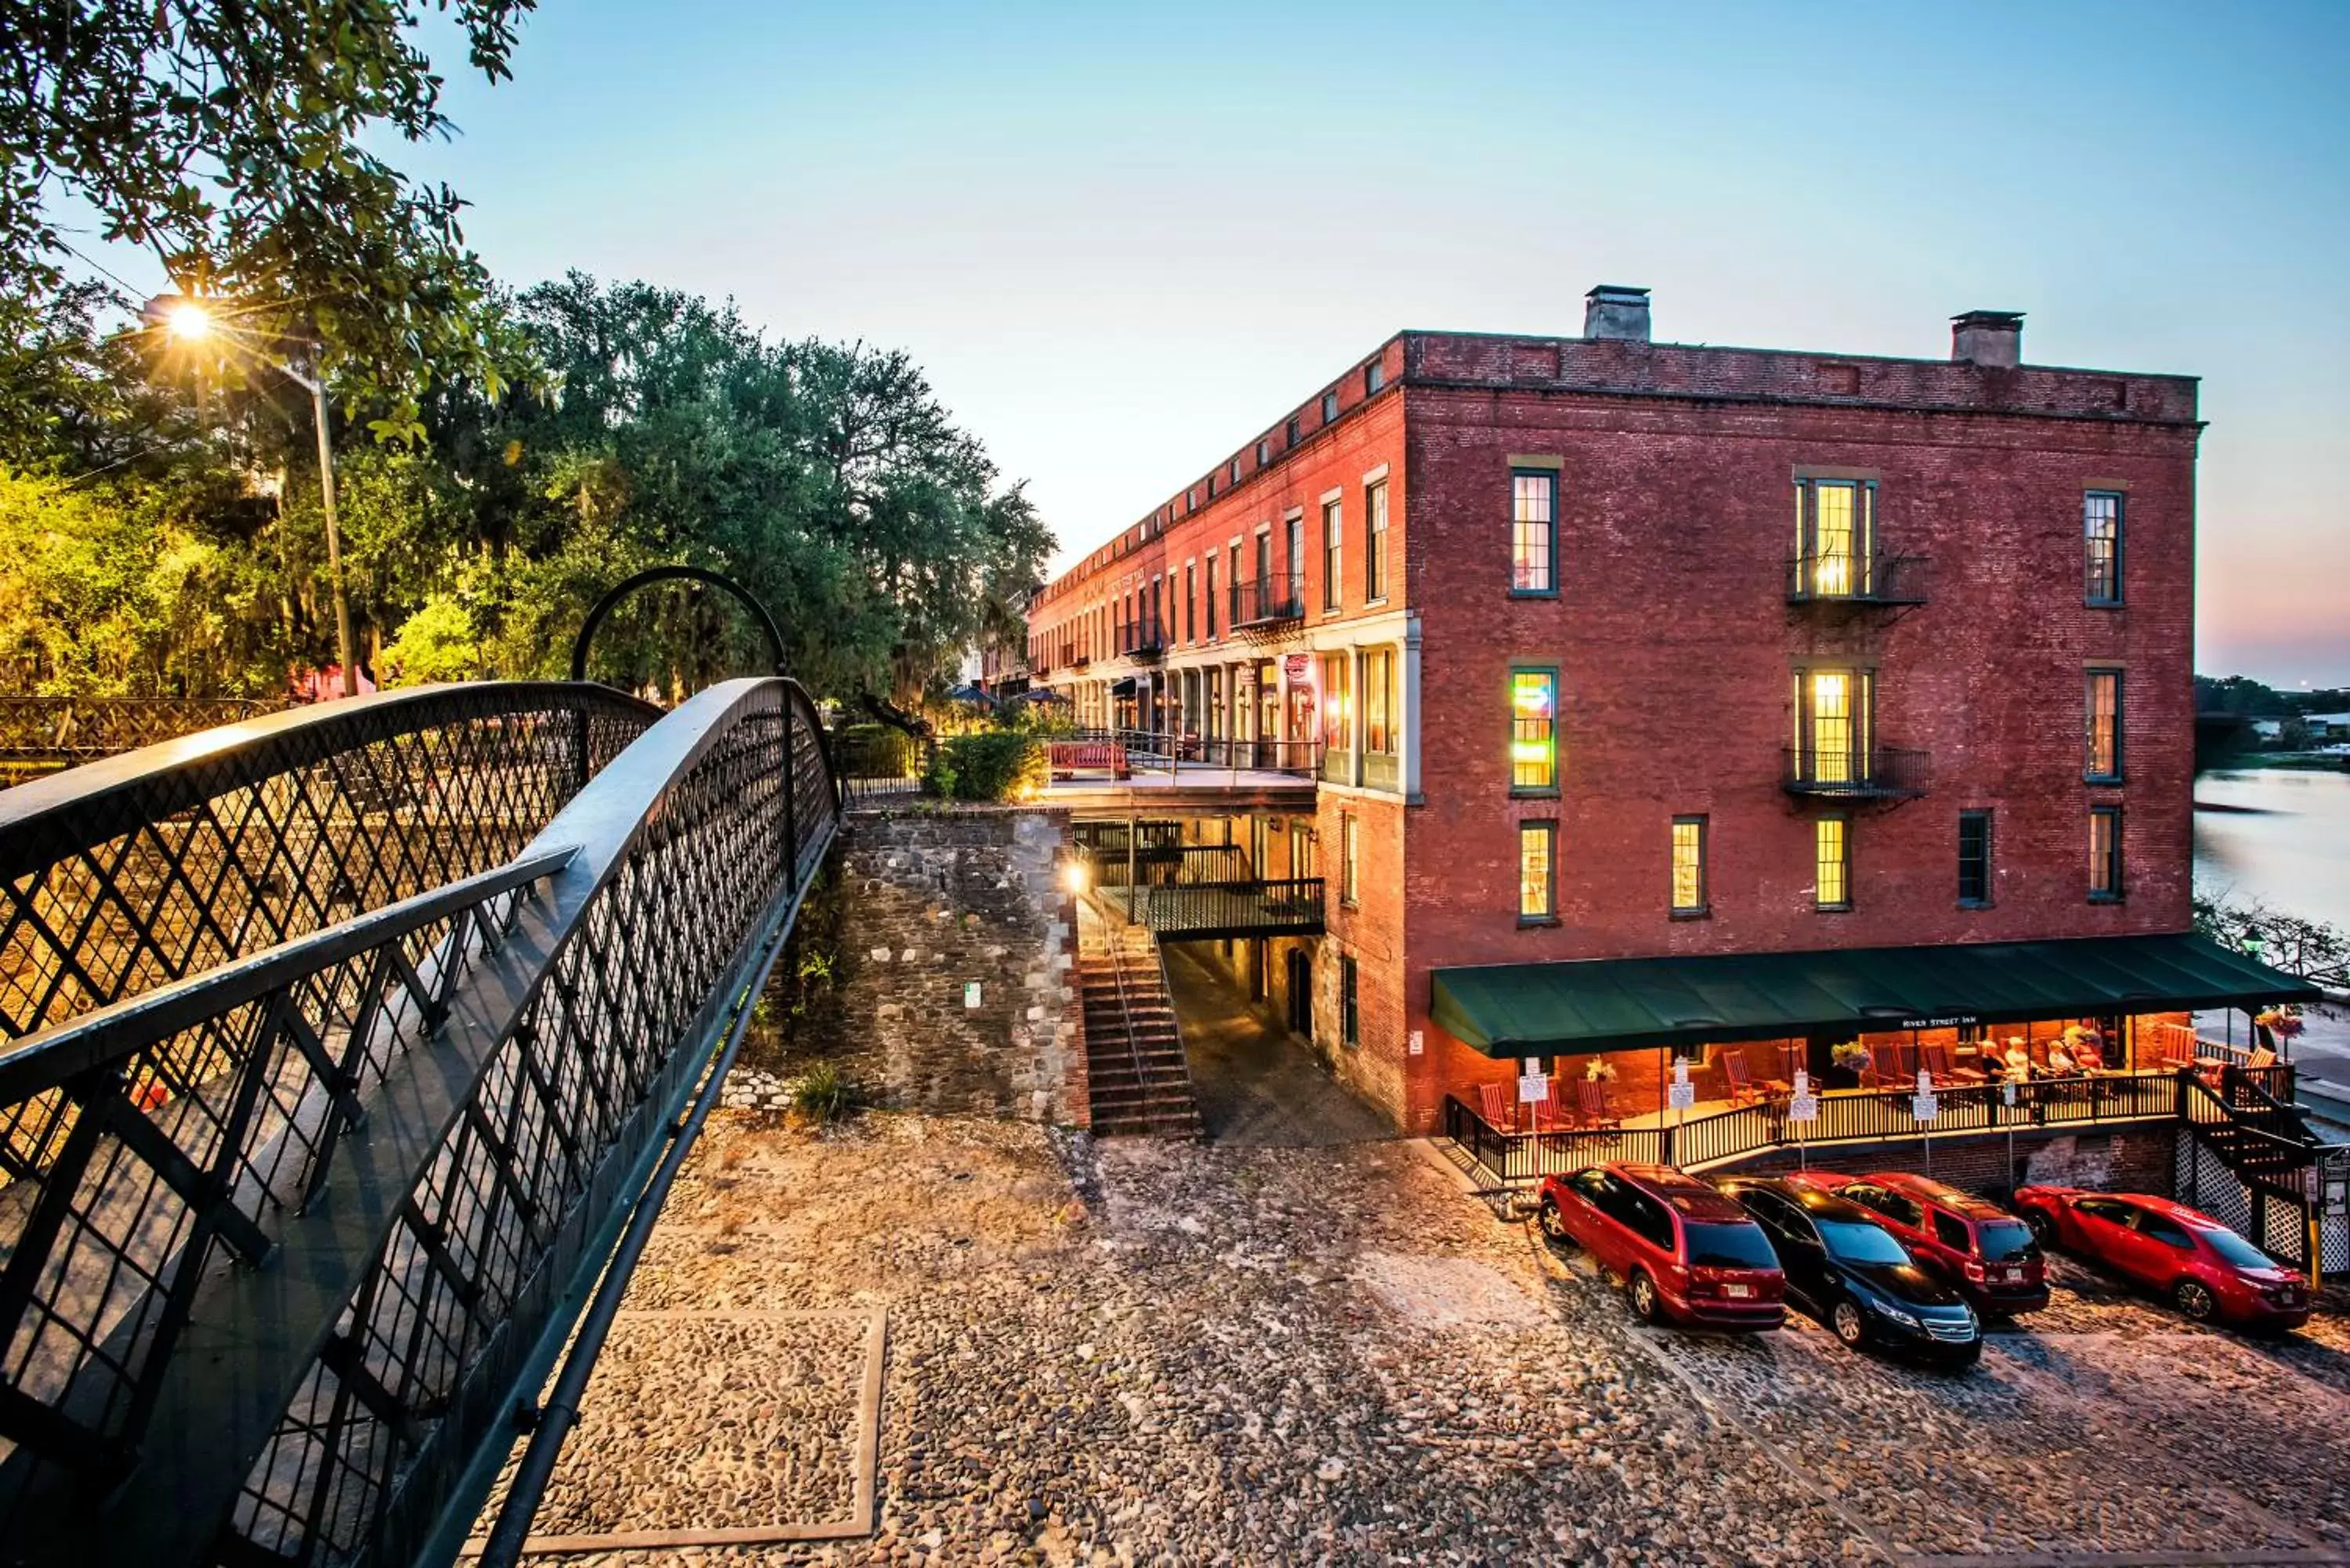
(935, 902)
(1676, 652)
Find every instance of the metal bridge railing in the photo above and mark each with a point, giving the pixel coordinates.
(428, 1120)
(140, 869)
(41, 734)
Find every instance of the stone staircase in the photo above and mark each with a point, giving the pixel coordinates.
(1138, 1079)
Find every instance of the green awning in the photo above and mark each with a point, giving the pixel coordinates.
(1615, 1004)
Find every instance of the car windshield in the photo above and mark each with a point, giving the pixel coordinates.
(2234, 1250)
(2005, 1242)
(1729, 1247)
(1858, 1241)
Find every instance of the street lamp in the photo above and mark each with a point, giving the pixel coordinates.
(189, 321)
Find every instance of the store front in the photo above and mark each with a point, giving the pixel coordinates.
(2086, 1030)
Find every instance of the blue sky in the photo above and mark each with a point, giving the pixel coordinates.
(1123, 240)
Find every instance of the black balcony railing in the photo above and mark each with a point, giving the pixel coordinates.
(1867, 772)
(1851, 579)
(1146, 638)
(1262, 601)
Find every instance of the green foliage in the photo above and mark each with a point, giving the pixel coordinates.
(652, 428)
(236, 142)
(990, 764)
(823, 1095)
(437, 643)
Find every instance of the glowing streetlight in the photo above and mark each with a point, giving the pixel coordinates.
(189, 321)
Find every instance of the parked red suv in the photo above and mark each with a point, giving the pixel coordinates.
(1987, 1253)
(2205, 1269)
(1683, 1250)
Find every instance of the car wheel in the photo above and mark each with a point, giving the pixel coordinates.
(1850, 1325)
(1647, 1305)
(2043, 1229)
(2193, 1298)
(1552, 1225)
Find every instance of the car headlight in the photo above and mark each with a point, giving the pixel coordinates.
(1895, 1314)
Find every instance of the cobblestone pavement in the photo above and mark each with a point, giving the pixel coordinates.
(1155, 1354)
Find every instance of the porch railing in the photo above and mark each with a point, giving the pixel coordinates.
(1172, 751)
(1854, 773)
(1516, 1155)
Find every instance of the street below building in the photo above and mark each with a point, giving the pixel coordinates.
(1138, 1352)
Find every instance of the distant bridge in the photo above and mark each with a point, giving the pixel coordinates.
(342, 1042)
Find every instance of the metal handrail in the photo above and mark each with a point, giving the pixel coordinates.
(114, 1033)
(1854, 772)
(428, 1271)
(157, 864)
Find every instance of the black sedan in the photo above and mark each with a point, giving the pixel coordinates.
(1854, 1275)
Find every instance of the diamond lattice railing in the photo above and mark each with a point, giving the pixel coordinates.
(162, 863)
(515, 1038)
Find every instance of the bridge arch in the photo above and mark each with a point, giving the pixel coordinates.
(651, 575)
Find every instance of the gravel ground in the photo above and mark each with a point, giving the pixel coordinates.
(1138, 1353)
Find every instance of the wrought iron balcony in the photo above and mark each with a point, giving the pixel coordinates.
(1146, 638)
(1860, 580)
(1266, 600)
(1874, 773)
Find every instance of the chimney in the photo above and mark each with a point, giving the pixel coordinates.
(1993, 337)
(1611, 311)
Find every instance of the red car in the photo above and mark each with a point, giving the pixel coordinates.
(1987, 1253)
(1683, 1250)
(2205, 1269)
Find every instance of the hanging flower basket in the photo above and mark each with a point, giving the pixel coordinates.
(2284, 1022)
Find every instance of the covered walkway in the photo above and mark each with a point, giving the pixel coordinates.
(1255, 1086)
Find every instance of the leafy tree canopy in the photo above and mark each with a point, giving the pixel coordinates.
(227, 137)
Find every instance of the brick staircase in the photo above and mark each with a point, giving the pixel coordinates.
(1137, 1077)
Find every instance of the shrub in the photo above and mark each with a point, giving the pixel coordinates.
(994, 764)
(823, 1097)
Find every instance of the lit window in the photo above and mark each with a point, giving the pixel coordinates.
(1375, 552)
(1689, 865)
(1836, 528)
(1537, 881)
(1379, 702)
(1833, 886)
(1333, 533)
(1534, 498)
(1833, 719)
(1337, 707)
(1349, 858)
(2101, 539)
(2105, 853)
(2105, 726)
(1974, 859)
(1534, 731)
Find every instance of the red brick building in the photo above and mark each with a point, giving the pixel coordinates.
(1624, 650)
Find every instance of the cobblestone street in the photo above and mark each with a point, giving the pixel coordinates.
(1148, 1353)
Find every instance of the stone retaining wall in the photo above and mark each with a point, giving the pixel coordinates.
(2126, 1159)
(938, 903)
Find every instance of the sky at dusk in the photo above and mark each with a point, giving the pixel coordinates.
(1123, 240)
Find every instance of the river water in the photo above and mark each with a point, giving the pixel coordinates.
(2282, 837)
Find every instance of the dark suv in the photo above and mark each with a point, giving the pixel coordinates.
(1854, 1275)
(1683, 1250)
(1987, 1253)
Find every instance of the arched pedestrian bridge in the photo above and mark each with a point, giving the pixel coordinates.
(340, 1044)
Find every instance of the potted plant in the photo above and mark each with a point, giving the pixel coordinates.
(1847, 1059)
(1600, 1070)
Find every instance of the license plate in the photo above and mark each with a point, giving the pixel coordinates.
(2010, 1276)
(1742, 1291)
